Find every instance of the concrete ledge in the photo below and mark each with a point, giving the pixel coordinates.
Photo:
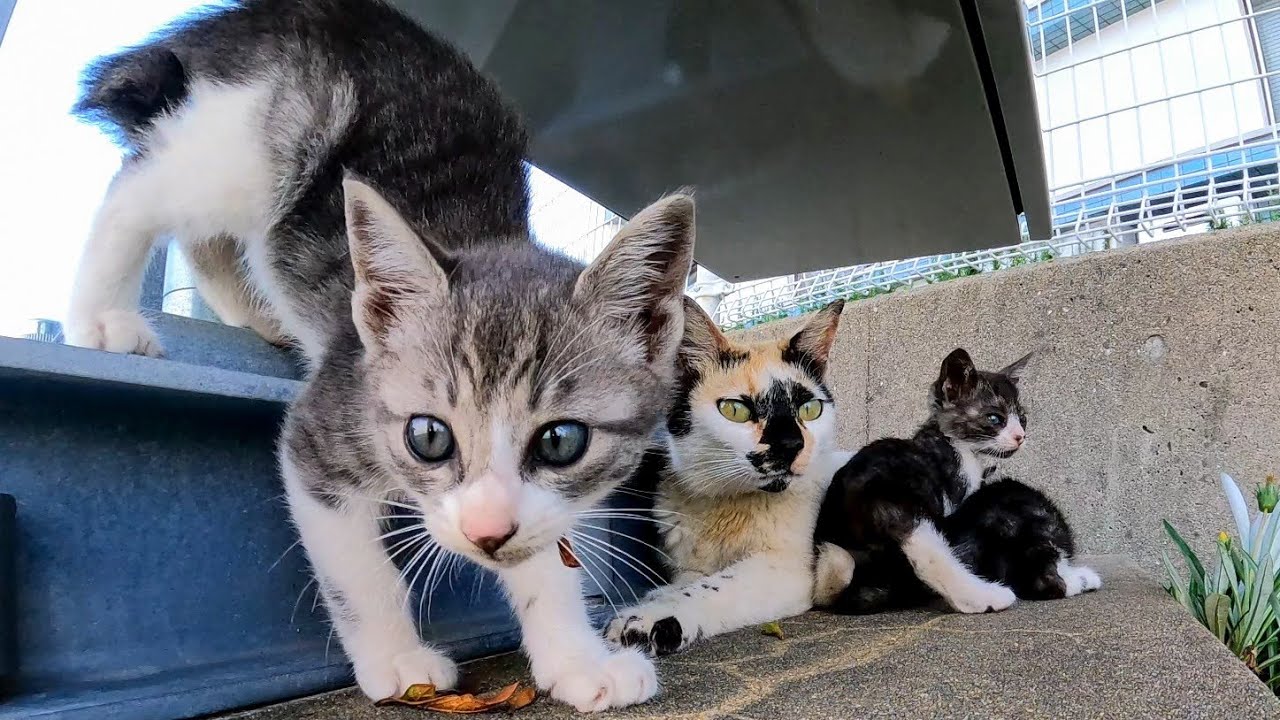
(1155, 370)
(1127, 651)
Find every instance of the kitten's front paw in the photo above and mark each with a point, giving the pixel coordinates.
(654, 631)
(1079, 579)
(117, 331)
(625, 677)
(983, 598)
(390, 674)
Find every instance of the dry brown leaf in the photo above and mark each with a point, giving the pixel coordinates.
(566, 554)
(511, 697)
(416, 695)
(523, 697)
(500, 696)
(420, 691)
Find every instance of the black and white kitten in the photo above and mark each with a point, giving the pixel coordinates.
(901, 507)
(490, 389)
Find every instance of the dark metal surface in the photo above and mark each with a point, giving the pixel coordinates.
(817, 134)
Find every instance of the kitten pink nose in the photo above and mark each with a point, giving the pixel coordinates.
(1018, 437)
(490, 539)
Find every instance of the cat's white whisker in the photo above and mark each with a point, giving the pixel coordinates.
(295, 544)
(622, 555)
(298, 602)
(585, 560)
(629, 516)
(633, 538)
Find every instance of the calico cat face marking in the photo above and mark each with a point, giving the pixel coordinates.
(506, 387)
(978, 408)
(750, 417)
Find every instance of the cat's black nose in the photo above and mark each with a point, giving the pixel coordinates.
(789, 444)
(490, 544)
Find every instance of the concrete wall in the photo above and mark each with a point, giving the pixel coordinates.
(1156, 368)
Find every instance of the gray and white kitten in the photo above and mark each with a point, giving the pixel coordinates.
(490, 388)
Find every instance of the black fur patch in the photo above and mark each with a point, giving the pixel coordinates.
(666, 636)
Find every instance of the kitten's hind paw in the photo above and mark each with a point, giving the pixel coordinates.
(624, 678)
(983, 598)
(390, 675)
(117, 331)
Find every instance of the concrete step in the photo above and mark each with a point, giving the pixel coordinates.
(1127, 651)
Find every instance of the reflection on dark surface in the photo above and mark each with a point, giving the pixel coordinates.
(817, 132)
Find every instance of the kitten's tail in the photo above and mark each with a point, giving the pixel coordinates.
(123, 94)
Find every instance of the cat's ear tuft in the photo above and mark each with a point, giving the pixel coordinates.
(397, 272)
(639, 278)
(811, 347)
(959, 377)
(703, 342)
(1014, 370)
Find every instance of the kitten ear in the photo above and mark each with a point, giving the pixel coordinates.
(1015, 368)
(397, 272)
(812, 345)
(639, 278)
(959, 377)
(703, 342)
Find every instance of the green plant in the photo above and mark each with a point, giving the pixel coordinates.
(1239, 602)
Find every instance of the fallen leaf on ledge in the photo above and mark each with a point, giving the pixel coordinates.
(511, 697)
(773, 629)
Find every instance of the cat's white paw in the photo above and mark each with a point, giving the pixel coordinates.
(623, 678)
(390, 674)
(983, 597)
(1078, 578)
(655, 628)
(117, 331)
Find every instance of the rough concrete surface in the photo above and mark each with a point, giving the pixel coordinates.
(1156, 369)
(1127, 651)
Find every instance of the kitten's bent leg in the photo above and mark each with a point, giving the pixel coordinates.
(1078, 578)
(757, 589)
(832, 572)
(223, 282)
(937, 566)
(103, 313)
(363, 592)
(568, 658)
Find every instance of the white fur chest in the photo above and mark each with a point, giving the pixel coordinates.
(971, 469)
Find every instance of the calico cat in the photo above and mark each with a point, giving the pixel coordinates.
(739, 489)
(489, 389)
(917, 518)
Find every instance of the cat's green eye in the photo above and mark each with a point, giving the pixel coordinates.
(810, 411)
(561, 443)
(428, 438)
(734, 410)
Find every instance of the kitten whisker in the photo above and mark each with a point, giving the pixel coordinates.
(623, 556)
(295, 544)
(298, 602)
(628, 516)
(400, 531)
(586, 555)
(633, 538)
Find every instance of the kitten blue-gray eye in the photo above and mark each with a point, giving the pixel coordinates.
(428, 438)
(561, 443)
(995, 419)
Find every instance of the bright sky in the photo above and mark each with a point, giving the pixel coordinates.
(53, 170)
